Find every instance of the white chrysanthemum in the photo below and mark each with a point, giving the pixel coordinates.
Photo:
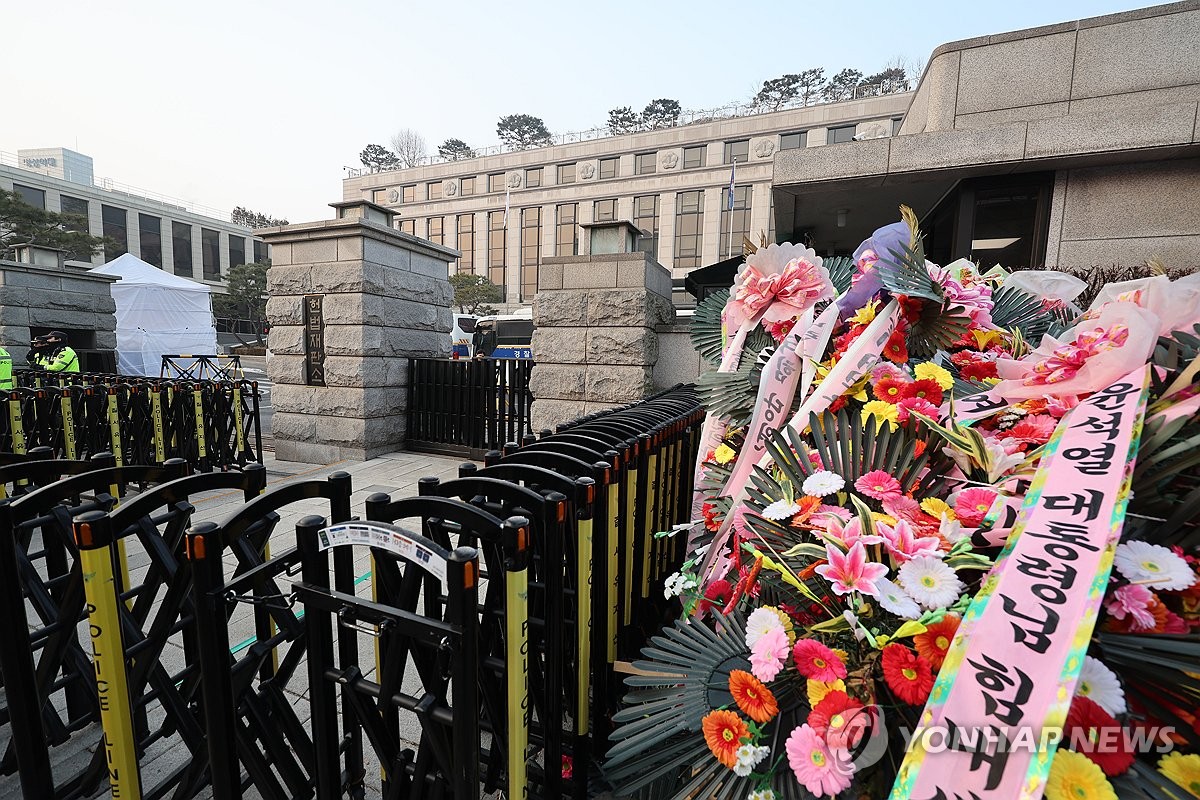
(761, 794)
(759, 622)
(781, 509)
(747, 757)
(1099, 684)
(893, 599)
(1154, 565)
(677, 583)
(930, 582)
(823, 483)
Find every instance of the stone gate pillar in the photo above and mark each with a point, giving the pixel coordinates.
(595, 344)
(350, 301)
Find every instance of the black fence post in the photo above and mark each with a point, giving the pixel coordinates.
(462, 584)
(318, 625)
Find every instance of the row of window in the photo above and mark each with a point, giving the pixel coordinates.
(689, 232)
(643, 164)
(115, 227)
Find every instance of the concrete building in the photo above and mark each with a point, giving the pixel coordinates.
(1071, 145)
(188, 240)
(672, 184)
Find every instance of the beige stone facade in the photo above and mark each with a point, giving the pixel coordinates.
(659, 164)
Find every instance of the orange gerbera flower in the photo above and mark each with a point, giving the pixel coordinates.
(752, 696)
(935, 641)
(723, 732)
(808, 506)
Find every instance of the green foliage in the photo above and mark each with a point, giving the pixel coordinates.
(378, 158)
(778, 92)
(706, 326)
(841, 86)
(472, 293)
(841, 271)
(21, 223)
(661, 113)
(522, 131)
(253, 219)
(455, 150)
(729, 395)
(895, 77)
(247, 294)
(623, 120)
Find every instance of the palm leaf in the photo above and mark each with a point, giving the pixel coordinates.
(706, 328)
(965, 387)
(758, 340)
(841, 272)
(903, 272)
(1015, 308)
(729, 395)
(937, 328)
(1159, 674)
(1174, 353)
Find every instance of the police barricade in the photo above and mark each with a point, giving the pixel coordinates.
(212, 424)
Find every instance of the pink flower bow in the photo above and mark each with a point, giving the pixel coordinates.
(777, 296)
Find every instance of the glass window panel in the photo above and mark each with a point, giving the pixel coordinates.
(31, 196)
(689, 227)
(741, 220)
(533, 178)
(437, 233)
(840, 135)
(433, 190)
(497, 244)
(237, 250)
(379, 196)
(605, 210)
(210, 252)
(150, 239)
(644, 164)
(567, 231)
(645, 217)
(466, 243)
(74, 206)
(408, 194)
(608, 167)
(694, 156)
(408, 226)
(496, 182)
(566, 173)
(261, 252)
(115, 228)
(793, 141)
(181, 248)
(739, 150)
(531, 250)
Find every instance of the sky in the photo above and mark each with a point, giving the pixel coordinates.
(263, 104)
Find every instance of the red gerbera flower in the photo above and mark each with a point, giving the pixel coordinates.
(1092, 731)
(816, 661)
(723, 732)
(907, 675)
(712, 520)
(716, 594)
(978, 370)
(839, 719)
(926, 389)
(890, 389)
(752, 696)
(896, 349)
(935, 641)
(972, 505)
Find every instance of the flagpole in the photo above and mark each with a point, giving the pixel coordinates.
(729, 207)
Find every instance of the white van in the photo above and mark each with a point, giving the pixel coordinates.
(460, 335)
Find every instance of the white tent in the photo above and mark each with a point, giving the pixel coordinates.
(157, 314)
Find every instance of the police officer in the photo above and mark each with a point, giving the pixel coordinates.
(6, 378)
(60, 357)
(37, 351)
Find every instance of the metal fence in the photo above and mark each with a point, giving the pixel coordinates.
(467, 407)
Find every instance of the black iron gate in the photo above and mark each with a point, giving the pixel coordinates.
(467, 407)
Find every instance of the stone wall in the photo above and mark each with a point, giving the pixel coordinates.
(596, 344)
(678, 361)
(385, 299)
(65, 298)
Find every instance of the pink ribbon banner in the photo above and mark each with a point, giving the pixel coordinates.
(994, 717)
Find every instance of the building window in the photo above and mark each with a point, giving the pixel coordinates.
(533, 178)
(261, 252)
(496, 182)
(497, 243)
(379, 196)
(30, 196)
(408, 226)
(566, 173)
(739, 151)
(645, 217)
(896, 123)
(466, 243)
(115, 228)
(467, 186)
(608, 167)
(531, 250)
(689, 229)
(237, 250)
(408, 194)
(437, 233)
(605, 210)
(181, 248)
(694, 156)
(839, 135)
(74, 207)
(793, 141)
(210, 251)
(644, 164)
(150, 239)
(566, 234)
(741, 220)
(433, 190)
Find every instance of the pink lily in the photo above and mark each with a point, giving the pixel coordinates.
(904, 544)
(850, 533)
(851, 572)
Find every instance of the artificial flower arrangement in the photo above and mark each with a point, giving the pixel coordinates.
(876, 424)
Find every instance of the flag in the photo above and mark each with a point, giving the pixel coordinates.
(732, 178)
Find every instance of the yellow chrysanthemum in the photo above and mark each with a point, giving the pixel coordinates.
(882, 411)
(818, 689)
(866, 314)
(724, 454)
(886, 519)
(937, 508)
(931, 371)
(1074, 776)
(786, 621)
(1183, 770)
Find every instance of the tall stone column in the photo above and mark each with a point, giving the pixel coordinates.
(350, 301)
(595, 342)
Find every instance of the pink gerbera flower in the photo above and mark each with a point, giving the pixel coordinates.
(878, 485)
(817, 662)
(1133, 601)
(917, 404)
(850, 571)
(814, 766)
(972, 505)
(768, 654)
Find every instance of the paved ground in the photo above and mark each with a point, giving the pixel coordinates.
(396, 474)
